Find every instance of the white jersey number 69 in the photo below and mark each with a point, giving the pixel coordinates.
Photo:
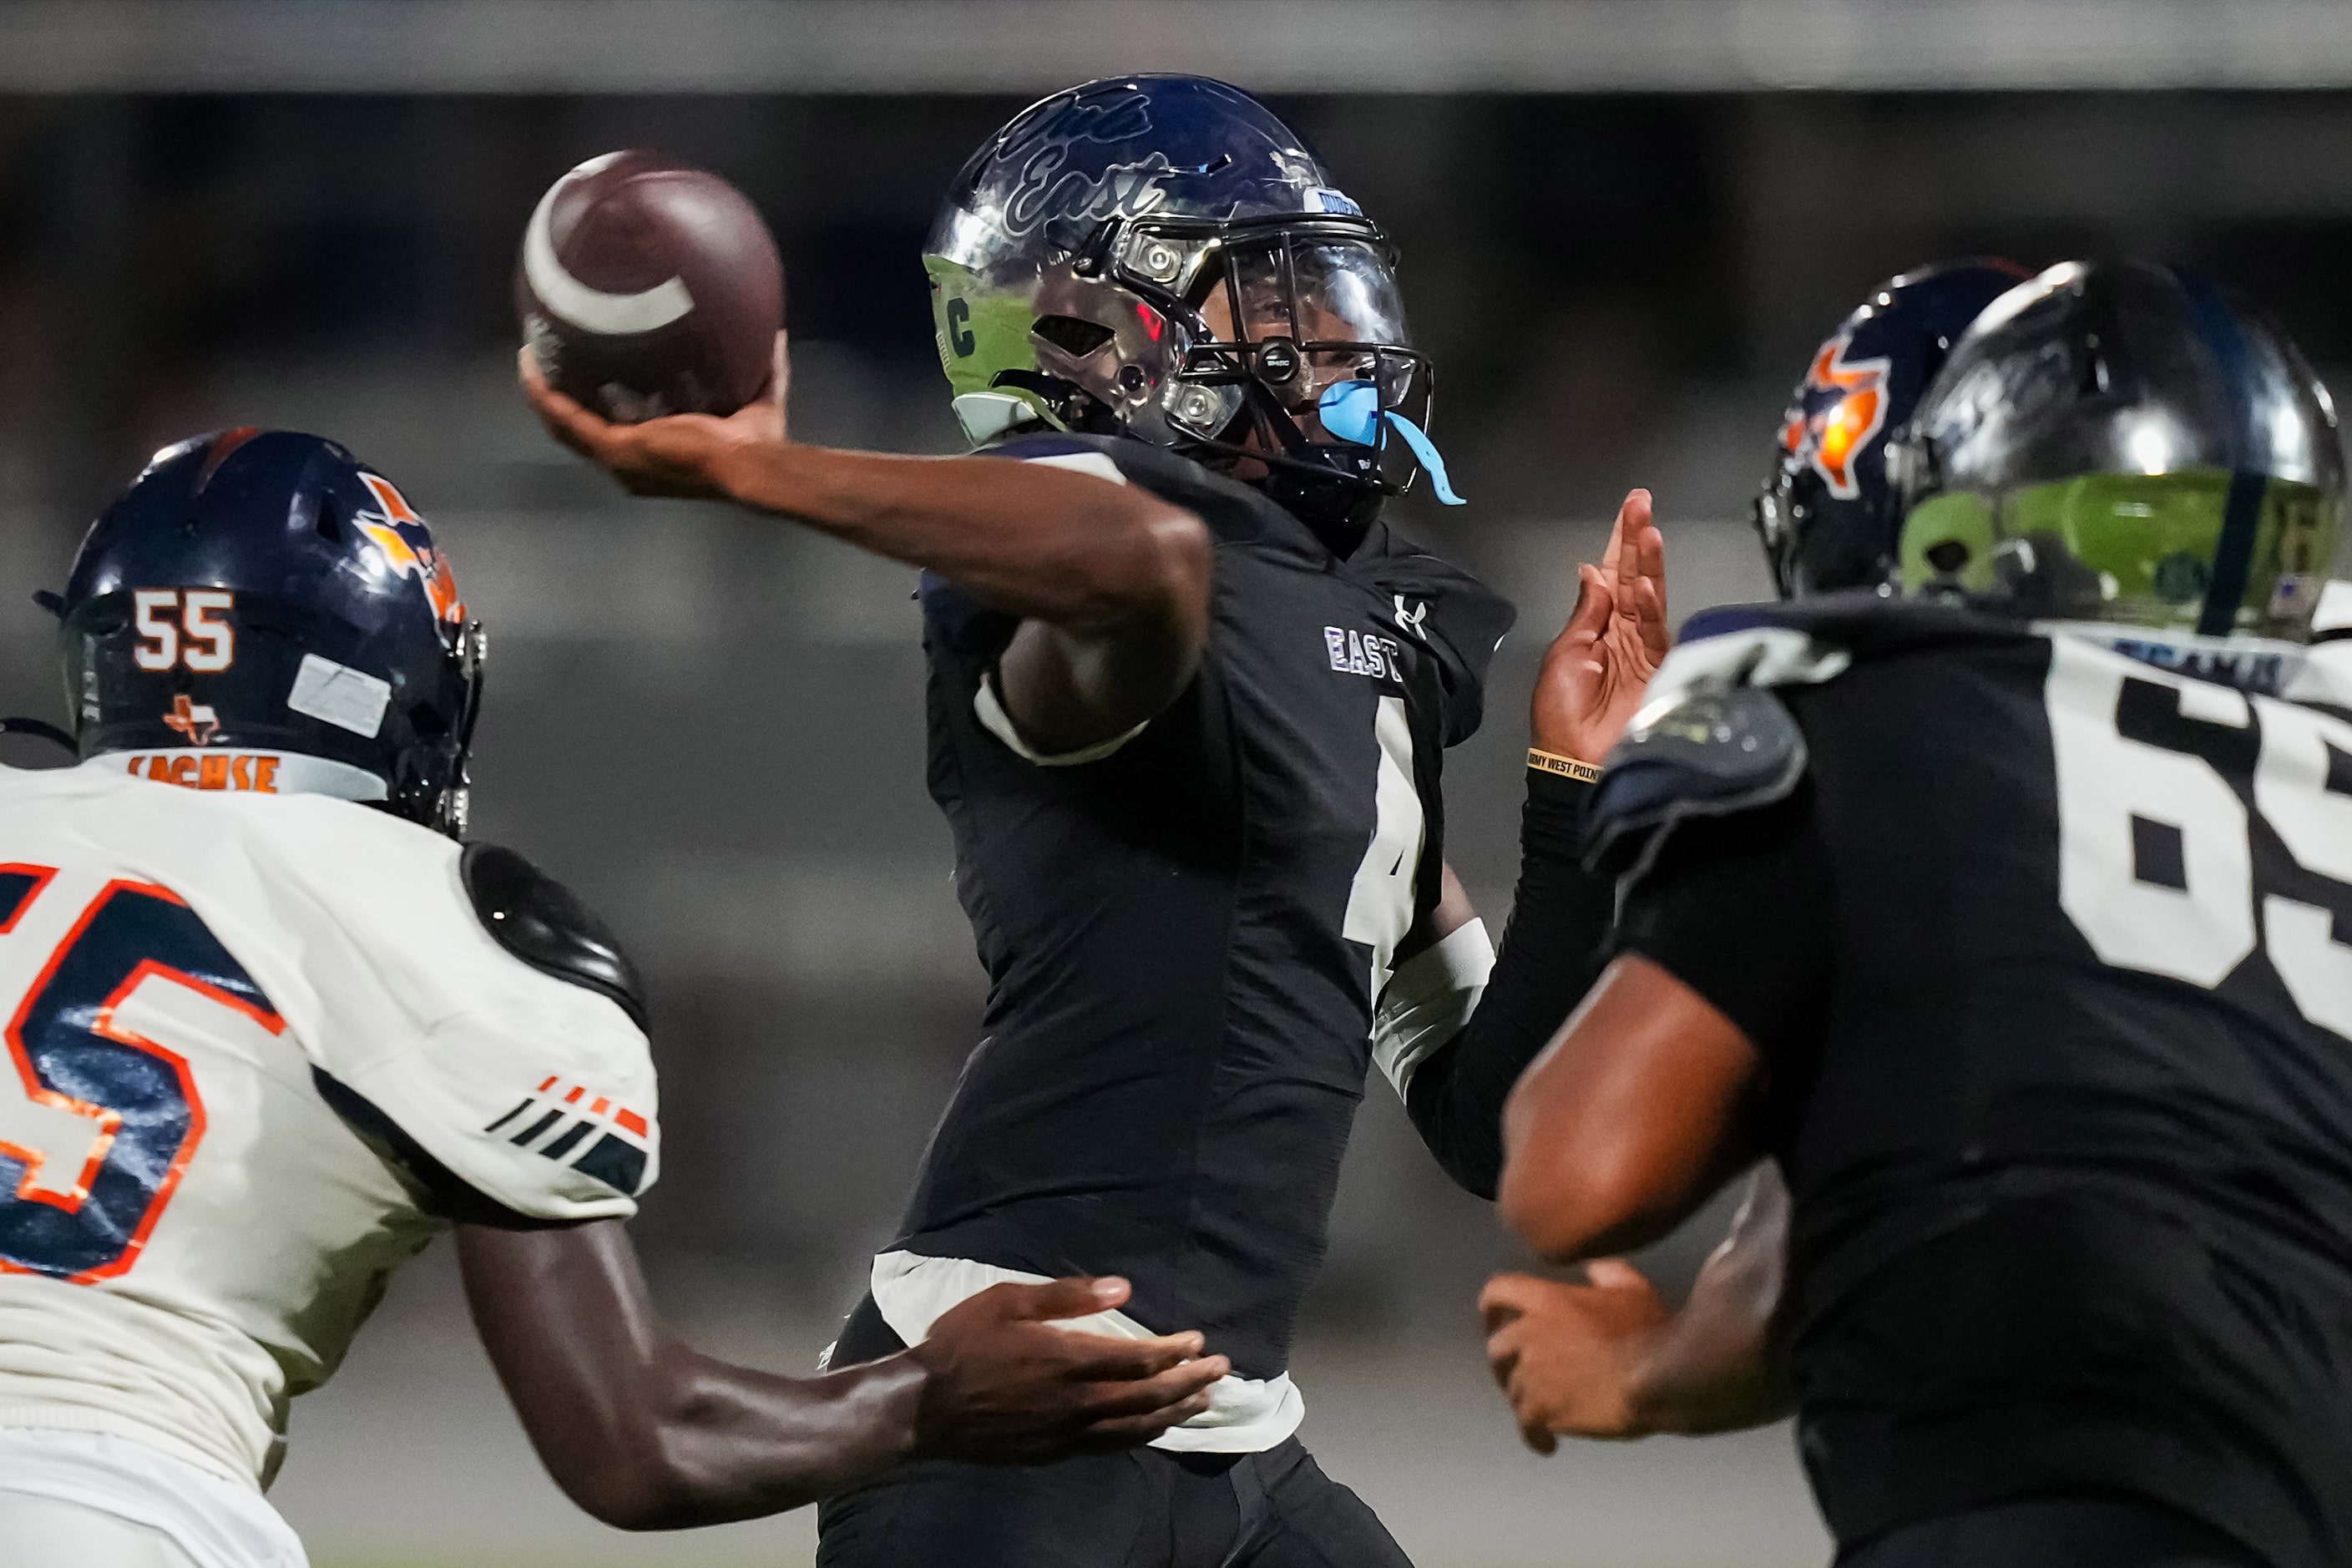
(2114, 791)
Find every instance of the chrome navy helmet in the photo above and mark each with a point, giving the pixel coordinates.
(1160, 257)
(261, 611)
(1826, 514)
(2122, 441)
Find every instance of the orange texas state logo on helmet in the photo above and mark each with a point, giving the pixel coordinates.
(407, 546)
(1839, 408)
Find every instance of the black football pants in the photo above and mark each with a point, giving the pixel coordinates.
(2053, 1532)
(1145, 1509)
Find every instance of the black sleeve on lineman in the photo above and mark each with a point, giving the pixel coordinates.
(1741, 910)
(1552, 950)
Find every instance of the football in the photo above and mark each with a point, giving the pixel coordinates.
(649, 287)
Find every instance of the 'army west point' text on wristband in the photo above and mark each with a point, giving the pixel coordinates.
(1566, 767)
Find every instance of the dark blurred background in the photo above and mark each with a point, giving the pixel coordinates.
(1624, 227)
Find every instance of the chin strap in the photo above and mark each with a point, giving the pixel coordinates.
(1351, 411)
(41, 730)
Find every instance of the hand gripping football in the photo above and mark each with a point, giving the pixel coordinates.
(646, 287)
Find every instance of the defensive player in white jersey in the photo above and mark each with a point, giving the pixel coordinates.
(268, 1032)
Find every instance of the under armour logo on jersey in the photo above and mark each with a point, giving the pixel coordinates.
(1365, 653)
(1409, 621)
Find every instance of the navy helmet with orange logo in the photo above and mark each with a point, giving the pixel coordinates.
(262, 611)
(1827, 515)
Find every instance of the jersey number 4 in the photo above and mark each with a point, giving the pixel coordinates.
(2163, 867)
(1381, 900)
(97, 1121)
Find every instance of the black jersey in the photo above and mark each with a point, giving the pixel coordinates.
(1184, 937)
(2043, 937)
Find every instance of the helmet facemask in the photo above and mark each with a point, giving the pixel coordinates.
(1276, 350)
(1297, 354)
(433, 782)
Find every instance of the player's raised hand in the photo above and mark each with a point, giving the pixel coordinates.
(676, 456)
(1567, 1356)
(1006, 1386)
(1596, 670)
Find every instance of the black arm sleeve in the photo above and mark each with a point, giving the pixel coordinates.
(1740, 910)
(1552, 950)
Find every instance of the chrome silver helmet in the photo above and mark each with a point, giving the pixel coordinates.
(2125, 442)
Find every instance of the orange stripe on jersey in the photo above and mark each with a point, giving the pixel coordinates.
(632, 1122)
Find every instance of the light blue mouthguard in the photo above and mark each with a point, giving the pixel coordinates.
(1351, 412)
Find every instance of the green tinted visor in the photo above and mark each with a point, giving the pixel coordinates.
(2137, 548)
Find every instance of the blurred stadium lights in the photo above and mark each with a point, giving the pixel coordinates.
(1300, 45)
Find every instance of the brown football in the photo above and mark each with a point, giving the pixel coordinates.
(648, 287)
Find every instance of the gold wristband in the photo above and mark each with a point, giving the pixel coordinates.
(1566, 767)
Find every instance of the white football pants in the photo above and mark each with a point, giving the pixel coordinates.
(42, 1532)
(93, 1500)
